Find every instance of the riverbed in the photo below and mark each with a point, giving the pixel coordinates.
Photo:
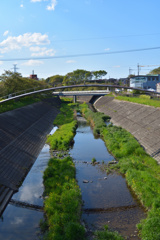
(106, 197)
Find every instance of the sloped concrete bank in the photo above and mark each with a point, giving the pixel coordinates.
(142, 121)
(22, 135)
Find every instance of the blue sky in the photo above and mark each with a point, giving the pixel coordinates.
(35, 29)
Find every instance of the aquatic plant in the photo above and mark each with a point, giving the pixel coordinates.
(93, 160)
(107, 235)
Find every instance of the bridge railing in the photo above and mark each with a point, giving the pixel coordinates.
(22, 92)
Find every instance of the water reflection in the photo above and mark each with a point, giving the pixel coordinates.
(107, 199)
(20, 223)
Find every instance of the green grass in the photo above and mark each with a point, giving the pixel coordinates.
(63, 205)
(142, 99)
(107, 235)
(66, 114)
(142, 173)
(18, 103)
(11, 105)
(96, 119)
(63, 137)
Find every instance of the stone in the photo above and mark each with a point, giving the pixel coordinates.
(85, 181)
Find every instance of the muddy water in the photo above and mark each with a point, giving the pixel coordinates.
(107, 199)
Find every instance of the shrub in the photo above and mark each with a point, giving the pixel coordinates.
(107, 235)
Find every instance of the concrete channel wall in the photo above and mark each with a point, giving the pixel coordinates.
(22, 135)
(142, 121)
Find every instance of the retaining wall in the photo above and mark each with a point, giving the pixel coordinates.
(142, 121)
(22, 135)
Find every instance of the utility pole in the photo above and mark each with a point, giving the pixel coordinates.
(130, 71)
(138, 66)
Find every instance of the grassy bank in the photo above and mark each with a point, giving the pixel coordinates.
(63, 202)
(14, 104)
(141, 171)
(141, 99)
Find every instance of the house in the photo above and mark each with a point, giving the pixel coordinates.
(33, 76)
(145, 81)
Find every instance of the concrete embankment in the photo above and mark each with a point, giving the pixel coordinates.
(142, 121)
(22, 135)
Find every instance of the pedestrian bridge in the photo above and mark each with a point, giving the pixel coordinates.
(108, 88)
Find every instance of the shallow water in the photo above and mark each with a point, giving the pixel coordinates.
(107, 198)
(20, 223)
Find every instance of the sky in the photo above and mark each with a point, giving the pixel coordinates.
(59, 36)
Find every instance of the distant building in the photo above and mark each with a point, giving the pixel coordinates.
(33, 76)
(145, 81)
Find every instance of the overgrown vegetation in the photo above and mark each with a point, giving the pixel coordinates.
(13, 82)
(142, 99)
(142, 173)
(63, 205)
(13, 104)
(63, 202)
(63, 137)
(107, 235)
(96, 119)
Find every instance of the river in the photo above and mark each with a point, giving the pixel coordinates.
(106, 197)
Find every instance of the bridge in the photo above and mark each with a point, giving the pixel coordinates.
(82, 93)
(61, 88)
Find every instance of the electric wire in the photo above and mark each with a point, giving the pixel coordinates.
(80, 55)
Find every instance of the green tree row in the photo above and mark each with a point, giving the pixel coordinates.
(11, 82)
(76, 77)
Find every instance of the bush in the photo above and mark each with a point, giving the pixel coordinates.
(107, 235)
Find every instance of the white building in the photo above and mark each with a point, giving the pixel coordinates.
(145, 81)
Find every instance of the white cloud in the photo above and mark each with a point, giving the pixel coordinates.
(25, 40)
(107, 49)
(36, 0)
(21, 5)
(52, 5)
(40, 52)
(5, 33)
(70, 61)
(32, 63)
(1, 62)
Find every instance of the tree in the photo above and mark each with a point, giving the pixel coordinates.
(76, 77)
(55, 80)
(155, 71)
(99, 74)
(14, 82)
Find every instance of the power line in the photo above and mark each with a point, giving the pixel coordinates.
(96, 38)
(80, 55)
